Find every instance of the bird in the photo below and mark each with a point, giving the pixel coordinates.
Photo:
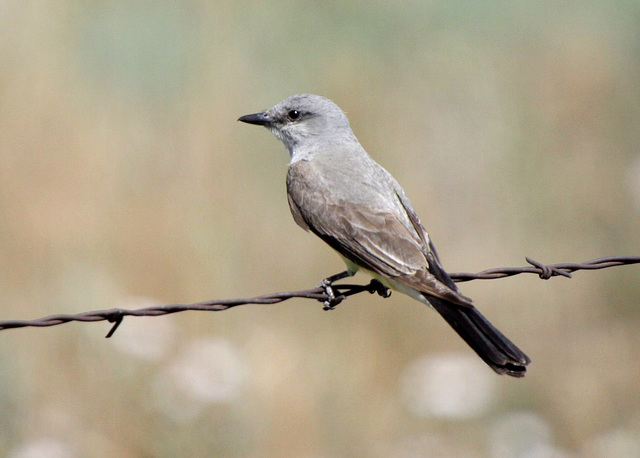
(340, 193)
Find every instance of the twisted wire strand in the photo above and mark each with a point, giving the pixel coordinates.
(116, 315)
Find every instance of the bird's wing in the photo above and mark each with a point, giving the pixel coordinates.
(378, 240)
(429, 250)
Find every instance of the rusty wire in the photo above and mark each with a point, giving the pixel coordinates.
(319, 293)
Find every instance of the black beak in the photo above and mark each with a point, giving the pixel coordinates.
(260, 119)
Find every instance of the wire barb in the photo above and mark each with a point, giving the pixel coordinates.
(546, 271)
(116, 319)
(319, 293)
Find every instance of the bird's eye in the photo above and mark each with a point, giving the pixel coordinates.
(293, 115)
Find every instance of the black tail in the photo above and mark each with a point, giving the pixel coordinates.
(489, 343)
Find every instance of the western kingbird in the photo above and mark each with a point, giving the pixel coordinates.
(338, 192)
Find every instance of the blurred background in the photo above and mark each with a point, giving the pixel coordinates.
(125, 181)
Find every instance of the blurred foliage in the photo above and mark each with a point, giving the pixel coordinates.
(125, 179)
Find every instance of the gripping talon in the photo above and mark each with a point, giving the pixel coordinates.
(328, 289)
(332, 300)
(331, 304)
(376, 286)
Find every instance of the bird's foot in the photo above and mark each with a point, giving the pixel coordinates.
(376, 286)
(332, 300)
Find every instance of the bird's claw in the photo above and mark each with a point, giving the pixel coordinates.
(332, 300)
(376, 286)
(331, 304)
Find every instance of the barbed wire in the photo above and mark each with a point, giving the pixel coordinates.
(545, 272)
(319, 293)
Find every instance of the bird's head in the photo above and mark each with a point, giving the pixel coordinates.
(304, 121)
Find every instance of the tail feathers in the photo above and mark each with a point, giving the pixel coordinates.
(490, 344)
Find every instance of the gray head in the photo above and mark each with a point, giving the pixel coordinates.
(304, 122)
